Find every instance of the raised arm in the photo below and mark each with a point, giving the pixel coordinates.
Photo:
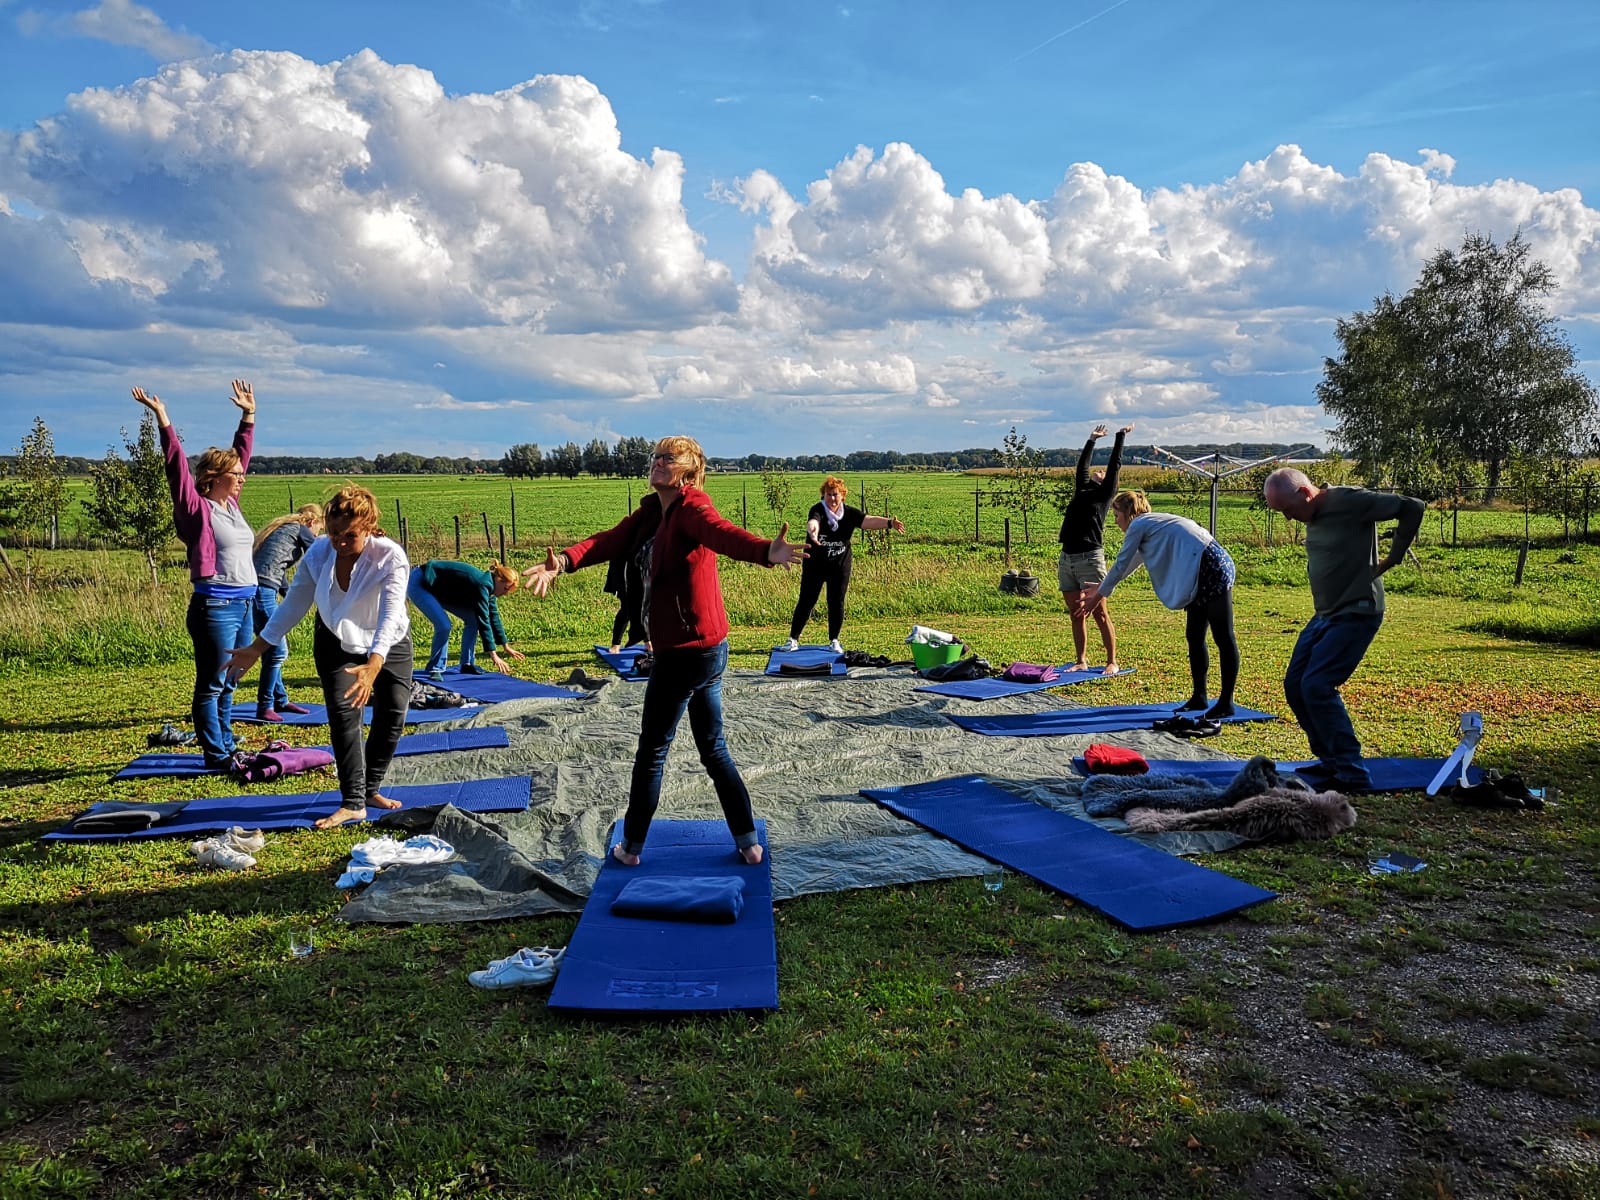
(1086, 455)
(1115, 465)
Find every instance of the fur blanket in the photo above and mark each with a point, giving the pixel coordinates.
(1114, 795)
(1278, 815)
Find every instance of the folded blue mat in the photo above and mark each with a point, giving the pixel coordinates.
(185, 766)
(807, 657)
(1388, 774)
(992, 689)
(300, 810)
(1139, 887)
(1084, 720)
(710, 898)
(623, 660)
(620, 964)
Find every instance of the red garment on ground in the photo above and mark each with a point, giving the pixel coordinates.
(1103, 759)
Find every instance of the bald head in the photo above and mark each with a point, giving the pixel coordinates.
(1290, 492)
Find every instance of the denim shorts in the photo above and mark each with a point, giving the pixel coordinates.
(1074, 572)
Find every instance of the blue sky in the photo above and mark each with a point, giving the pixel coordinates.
(784, 229)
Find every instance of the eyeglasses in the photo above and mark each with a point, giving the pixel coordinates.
(668, 459)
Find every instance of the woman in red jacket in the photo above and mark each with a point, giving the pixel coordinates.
(675, 535)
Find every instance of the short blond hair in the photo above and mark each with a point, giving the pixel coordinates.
(506, 575)
(213, 465)
(1131, 504)
(688, 460)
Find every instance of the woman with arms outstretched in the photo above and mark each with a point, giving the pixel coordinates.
(676, 534)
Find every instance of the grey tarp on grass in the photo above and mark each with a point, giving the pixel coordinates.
(805, 748)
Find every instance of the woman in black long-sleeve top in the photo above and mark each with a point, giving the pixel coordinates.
(1083, 557)
(830, 527)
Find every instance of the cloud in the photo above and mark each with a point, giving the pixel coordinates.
(341, 229)
(122, 23)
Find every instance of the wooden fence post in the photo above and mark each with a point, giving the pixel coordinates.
(457, 520)
(502, 543)
(1008, 543)
(513, 488)
(488, 542)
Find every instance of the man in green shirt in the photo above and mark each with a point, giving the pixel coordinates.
(1346, 578)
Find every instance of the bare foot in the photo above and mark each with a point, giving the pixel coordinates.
(751, 854)
(1111, 669)
(383, 801)
(1079, 666)
(623, 857)
(340, 816)
(616, 649)
(1222, 708)
(1192, 704)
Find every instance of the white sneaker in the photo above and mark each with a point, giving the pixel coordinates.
(791, 644)
(525, 968)
(216, 854)
(246, 843)
(835, 647)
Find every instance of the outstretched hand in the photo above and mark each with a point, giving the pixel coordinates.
(1099, 432)
(784, 553)
(244, 397)
(153, 402)
(242, 658)
(364, 676)
(1126, 429)
(538, 579)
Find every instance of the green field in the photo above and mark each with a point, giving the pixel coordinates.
(1426, 1036)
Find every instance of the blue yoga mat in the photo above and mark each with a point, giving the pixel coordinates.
(622, 661)
(806, 656)
(1137, 886)
(186, 766)
(300, 810)
(1388, 774)
(617, 964)
(1084, 720)
(993, 689)
(318, 715)
(491, 687)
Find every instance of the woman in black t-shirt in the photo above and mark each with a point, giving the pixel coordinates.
(830, 525)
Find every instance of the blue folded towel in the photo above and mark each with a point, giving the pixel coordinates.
(711, 899)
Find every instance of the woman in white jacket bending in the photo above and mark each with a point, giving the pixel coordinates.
(357, 579)
(1190, 570)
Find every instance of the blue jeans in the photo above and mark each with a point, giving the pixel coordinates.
(679, 680)
(1327, 654)
(270, 692)
(215, 626)
(439, 616)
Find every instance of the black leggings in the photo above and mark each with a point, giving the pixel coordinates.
(1217, 613)
(362, 768)
(822, 569)
(628, 620)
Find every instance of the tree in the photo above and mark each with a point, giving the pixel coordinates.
(597, 457)
(565, 460)
(523, 460)
(776, 486)
(632, 457)
(36, 487)
(131, 501)
(1024, 482)
(1467, 367)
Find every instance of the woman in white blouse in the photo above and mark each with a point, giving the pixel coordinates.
(357, 578)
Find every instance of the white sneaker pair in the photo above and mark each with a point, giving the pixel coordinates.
(791, 644)
(231, 851)
(525, 968)
(835, 647)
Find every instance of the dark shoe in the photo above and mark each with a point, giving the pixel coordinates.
(299, 710)
(1202, 728)
(169, 735)
(1177, 723)
(472, 669)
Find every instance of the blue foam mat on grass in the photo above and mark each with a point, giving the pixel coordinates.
(490, 687)
(300, 810)
(1388, 774)
(1112, 719)
(186, 766)
(618, 964)
(1139, 887)
(317, 714)
(623, 660)
(995, 688)
(805, 656)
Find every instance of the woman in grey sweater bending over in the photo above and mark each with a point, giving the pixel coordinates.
(1190, 570)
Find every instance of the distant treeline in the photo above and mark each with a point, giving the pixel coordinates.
(630, 458)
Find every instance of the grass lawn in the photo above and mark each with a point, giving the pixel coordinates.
(1427, 1036)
